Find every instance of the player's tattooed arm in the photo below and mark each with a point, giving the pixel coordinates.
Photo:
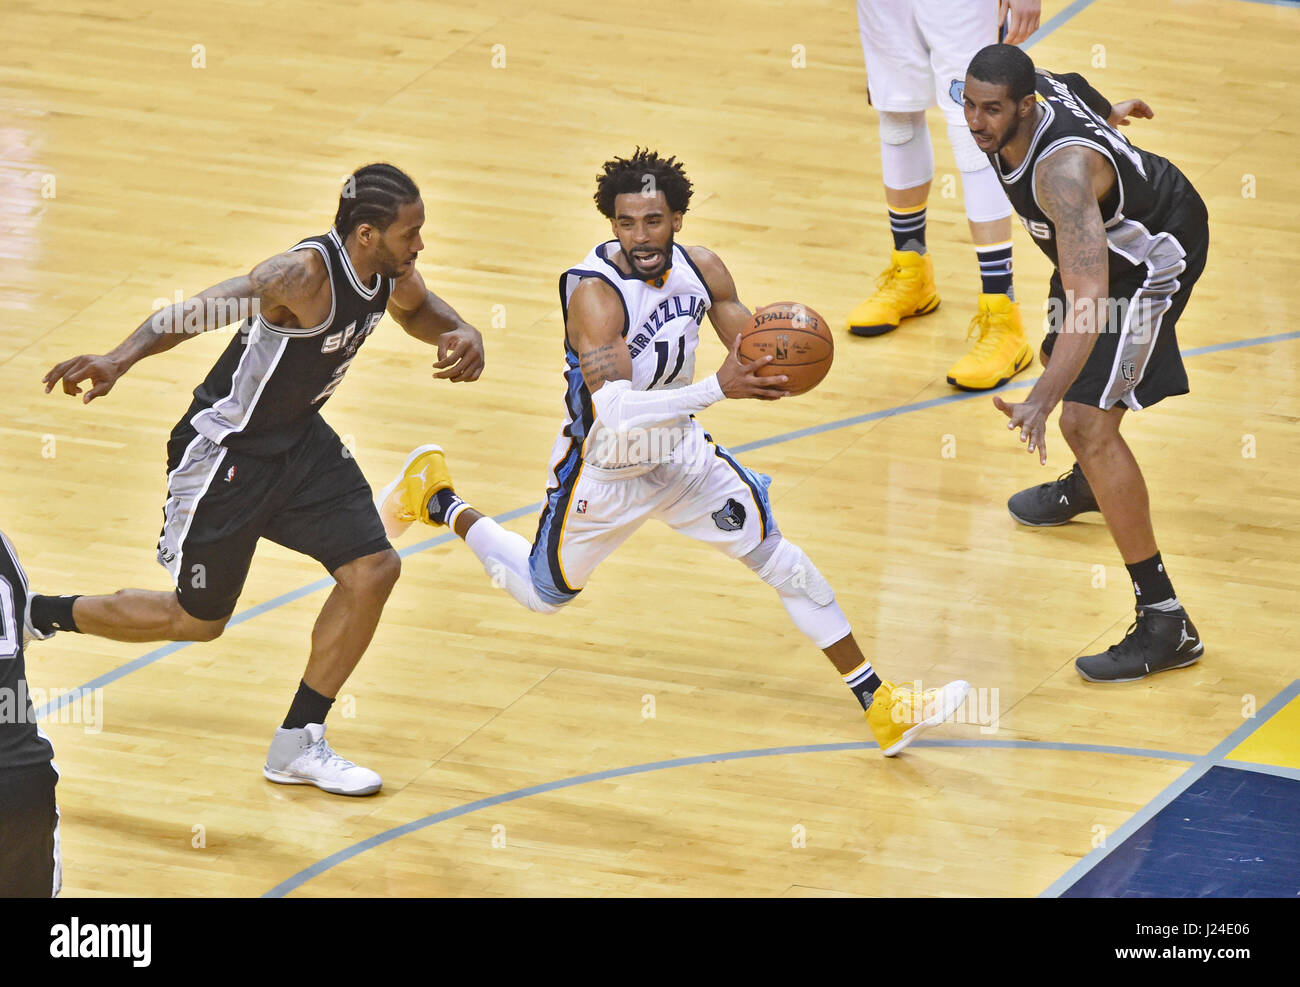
(727, 313)
(1069, 184)
(279, 287)
(595, 331)
(428, 318)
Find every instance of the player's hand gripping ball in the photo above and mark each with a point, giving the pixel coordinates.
(796, 337)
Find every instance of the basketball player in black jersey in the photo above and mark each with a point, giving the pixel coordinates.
(1128, 235)
(252, 458)
(29, 818)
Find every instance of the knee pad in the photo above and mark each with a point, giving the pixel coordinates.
(965, 152)
(906, 156)
(899, 128)
(789, 571)
(518, 585)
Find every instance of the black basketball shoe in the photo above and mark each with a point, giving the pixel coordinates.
(1054, 503)
(1156, 641)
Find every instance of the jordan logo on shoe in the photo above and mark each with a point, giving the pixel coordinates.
(1186, 638)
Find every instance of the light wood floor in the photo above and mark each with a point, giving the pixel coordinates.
(168, 177)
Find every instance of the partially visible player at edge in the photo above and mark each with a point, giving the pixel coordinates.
(30, 865)
(916, 53)
(1128, 235)
(631, 449)
(252, 458)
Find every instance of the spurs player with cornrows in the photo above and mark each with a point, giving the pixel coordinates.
(252, 458)
(631, 449)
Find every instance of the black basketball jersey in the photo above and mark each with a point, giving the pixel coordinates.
(1150, 196)
(270, 381)
(22, 744)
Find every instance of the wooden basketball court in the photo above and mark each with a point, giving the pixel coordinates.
(670, 733)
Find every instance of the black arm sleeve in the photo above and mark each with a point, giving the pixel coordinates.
(1095, 100)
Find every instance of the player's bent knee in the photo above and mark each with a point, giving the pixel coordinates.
(376, 573)
(785, 567)
(186, 627)
(898, 128)
(1085, 426)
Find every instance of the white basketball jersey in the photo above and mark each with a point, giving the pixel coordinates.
(662, 330)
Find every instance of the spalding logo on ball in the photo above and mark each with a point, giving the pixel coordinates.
(798, 340)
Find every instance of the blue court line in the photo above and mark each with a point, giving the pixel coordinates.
(1277, 770)
(334, 859)
(1185, 781)
(256, 611)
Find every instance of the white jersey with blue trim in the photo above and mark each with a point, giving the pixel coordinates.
(661, 323)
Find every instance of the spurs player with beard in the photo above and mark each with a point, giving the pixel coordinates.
(1128, 235)
(252, 458)
(631, 450)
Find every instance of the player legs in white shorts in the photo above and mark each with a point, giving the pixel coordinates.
(698, 489)
(916, 54)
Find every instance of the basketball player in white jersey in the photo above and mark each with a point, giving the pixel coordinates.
(631, 450)
(916, 53)
(252, 457)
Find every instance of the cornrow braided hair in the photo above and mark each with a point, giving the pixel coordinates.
(373, 195)
(645, 171)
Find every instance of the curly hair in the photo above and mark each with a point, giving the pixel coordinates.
(644, 171)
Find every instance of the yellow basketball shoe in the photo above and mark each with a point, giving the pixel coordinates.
(1000, 352)
(904, 289)
(898, 713)
(406, 499)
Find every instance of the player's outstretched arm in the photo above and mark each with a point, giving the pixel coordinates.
(1120, 112)
(428, 318)
(727, 313)
(1070, 183)
(283, 282)
(729, 316)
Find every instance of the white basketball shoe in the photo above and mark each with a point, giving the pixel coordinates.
(302, 757)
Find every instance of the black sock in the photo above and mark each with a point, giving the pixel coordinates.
(309, 706)
(53, 613)
(442, 504)
(862, 682)
(995, 270)
(1151, 584)
(908, 229)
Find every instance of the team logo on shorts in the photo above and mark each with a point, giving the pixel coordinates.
(1129, 370)
(957, 91)
(582, 507)
(731, 517)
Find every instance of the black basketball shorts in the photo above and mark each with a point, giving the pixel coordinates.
(1136, 359)
(312, 498)
(30, 866)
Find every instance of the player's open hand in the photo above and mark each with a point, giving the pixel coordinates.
(1120, 112)
(1025, 15)
(1032, 420)
(739, 378)
(460, 354)
(101, 371)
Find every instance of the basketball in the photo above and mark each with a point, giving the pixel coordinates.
(798, 339)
